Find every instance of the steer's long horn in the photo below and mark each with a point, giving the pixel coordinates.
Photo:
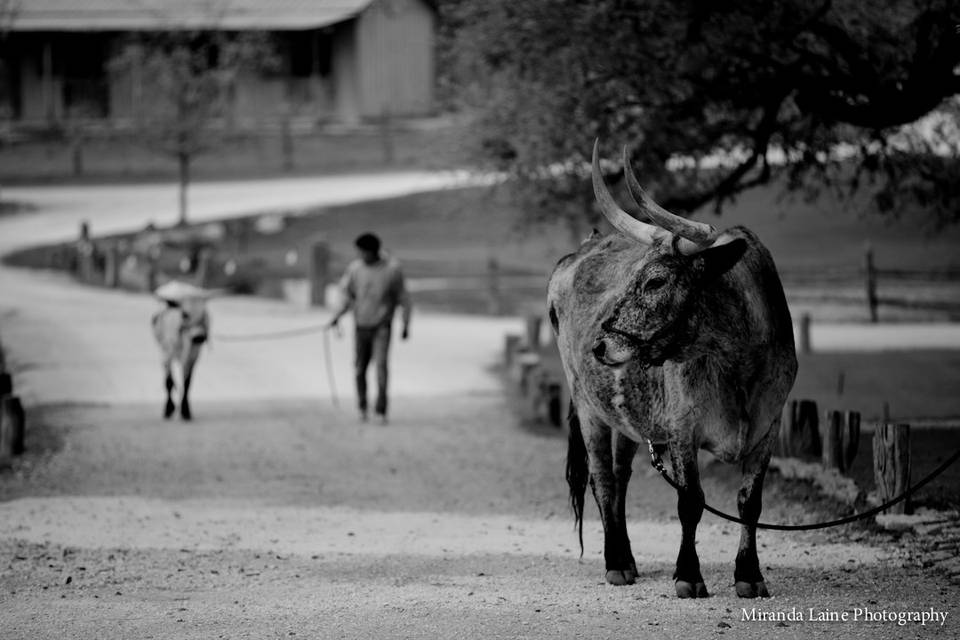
(699, 232)
(625, 223)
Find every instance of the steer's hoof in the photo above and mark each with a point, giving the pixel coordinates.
(169, 409)
(621, 577)
(690, 590)
(752, 589)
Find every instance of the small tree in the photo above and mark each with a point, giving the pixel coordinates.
(186, 80)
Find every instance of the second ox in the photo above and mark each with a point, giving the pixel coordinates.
(680, 334)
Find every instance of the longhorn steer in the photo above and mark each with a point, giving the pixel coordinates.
(678, 334)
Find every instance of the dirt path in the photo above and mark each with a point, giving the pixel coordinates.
(288, 519)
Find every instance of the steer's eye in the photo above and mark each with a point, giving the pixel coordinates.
(654, 283)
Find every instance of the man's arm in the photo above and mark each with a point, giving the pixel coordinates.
(406, 305)
(347, 296)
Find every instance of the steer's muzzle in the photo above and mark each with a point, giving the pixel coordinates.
(613, 350)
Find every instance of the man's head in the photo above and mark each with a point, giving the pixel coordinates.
(369, 247)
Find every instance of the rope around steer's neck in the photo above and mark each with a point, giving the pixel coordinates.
(657, 463)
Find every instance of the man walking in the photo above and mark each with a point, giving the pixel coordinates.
(373, 286)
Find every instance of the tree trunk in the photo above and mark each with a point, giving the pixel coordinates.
(184, 161)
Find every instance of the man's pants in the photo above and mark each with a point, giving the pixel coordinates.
(372, 342)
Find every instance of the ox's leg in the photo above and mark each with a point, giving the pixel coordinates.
(689, 581)
(169, 407)
(610, 456)
(749, 580)
(189, 361)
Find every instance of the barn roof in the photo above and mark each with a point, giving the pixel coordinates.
(164, 15)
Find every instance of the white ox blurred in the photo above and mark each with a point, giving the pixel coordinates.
(181, 328)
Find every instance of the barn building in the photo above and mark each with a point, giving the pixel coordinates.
(340, 61)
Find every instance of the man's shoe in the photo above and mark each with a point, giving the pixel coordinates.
(382, 419)
(363, 415)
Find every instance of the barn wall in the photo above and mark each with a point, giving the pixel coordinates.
(396, 58)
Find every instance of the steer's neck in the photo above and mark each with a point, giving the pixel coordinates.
(731, 323)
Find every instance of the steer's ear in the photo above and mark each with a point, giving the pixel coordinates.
(721, 257)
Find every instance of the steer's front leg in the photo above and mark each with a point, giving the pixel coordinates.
(610, 455)
(689, 580)
(747, 576)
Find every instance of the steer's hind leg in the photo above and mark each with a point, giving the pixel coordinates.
(610, 455)
(747, 576)
(169, 407)
(689, 580)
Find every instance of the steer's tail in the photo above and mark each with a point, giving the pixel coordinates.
(578, 474)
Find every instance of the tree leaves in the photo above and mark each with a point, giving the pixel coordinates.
(821, 93)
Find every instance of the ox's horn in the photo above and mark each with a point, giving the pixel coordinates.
(698, 232)
(625, 223)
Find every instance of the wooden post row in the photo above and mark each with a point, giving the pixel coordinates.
(891, 462)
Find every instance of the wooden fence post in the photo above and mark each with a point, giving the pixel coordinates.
(891, 462)
(870, 273)
(319, 273)
(555, 403)
(286, 138)
(494, 305)
(831, 449)
(849, 438)
(202, 274)
(533, 333)
(111, 266)
(84, 254)
(11, 427)
(511, 345)
(153, 257)
(801, 437)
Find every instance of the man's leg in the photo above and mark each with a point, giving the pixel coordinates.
(363, 351)
(381, 348)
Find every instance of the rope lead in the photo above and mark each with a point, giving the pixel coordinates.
(657, 463)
